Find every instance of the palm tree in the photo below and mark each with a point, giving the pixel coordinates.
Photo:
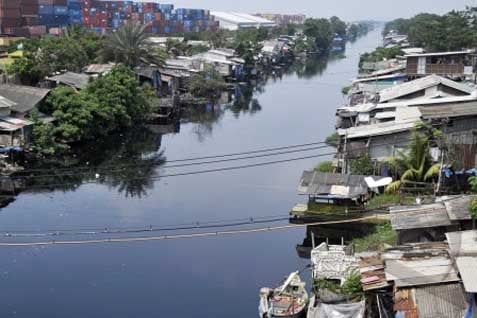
(129, 46)
(416, 164)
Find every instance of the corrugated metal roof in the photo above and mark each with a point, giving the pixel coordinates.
(13, 124)
(442, 300)
(414, 86)
(424, 271)
(440, 53)
(6, 103)
(463, 243)
(467, 266)
(430, 102)
(76, 80)
(25, 97)
(458, 208)
(241, 18)
(417, 217)
(99, 68)
(335, 184)
(380, 129)
(449, 110)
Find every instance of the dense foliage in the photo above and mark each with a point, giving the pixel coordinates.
(208, 84)
(320, 31)
(129, 46)
(110, 103)
(325, 166)
(356, 30)
(380, 54)
(384, 234)
(47, 55)
(452, 31)
(362, 166)
(415, 165)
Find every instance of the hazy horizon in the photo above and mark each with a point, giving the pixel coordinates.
(345, 9)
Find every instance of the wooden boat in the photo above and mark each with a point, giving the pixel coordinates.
(289, 300)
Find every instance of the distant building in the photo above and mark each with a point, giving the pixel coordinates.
(33, 18)
(283, 19)
(236, 20)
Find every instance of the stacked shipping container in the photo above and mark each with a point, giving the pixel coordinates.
(36, 17)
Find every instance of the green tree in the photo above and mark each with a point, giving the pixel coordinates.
(217, 38)
(321, 31)
(325, 166)
(338, 26)
(362, 166)
(129, 46)
(28, 71)
(416, 165)
(209, 84)
(110, 103)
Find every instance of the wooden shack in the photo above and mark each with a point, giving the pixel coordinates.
(455, 64)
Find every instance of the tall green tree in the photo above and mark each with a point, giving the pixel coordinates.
(129, 46)
(338, 26)
(321, 31)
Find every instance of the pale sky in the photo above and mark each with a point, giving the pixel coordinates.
(348, 10)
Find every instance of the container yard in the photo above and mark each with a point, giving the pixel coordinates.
(33, 18)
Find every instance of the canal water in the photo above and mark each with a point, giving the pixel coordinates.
(202, 277)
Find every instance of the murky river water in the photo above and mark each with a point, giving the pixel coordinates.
(205, 277)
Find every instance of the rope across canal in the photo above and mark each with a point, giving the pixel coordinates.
(184, 236)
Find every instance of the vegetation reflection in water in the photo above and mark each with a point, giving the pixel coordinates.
(130, 162)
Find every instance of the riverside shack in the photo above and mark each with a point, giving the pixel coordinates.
(455, 64)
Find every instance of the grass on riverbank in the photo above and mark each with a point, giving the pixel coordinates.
(384, 234)
(387, 200)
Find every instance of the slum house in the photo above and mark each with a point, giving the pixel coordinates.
(77, 81)
(16, 103)
(463, 247)
(339, 189)
(393, 39)
(335, 264)
(14, 132)
(26, 98)
(393, 124)
(372, 110)
(459, 64)
(273, 51)
(430, 222)
(426, 281)
(149, 74)
(224, 61)
(175, 75)
(458, 122)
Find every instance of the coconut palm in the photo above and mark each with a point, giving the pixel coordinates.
(129, 46)
(416, 164)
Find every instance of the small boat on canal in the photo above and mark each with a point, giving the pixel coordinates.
(289, 300)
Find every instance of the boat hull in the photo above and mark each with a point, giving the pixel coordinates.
(301, 314)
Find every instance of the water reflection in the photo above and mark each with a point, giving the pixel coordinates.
(124, 162)
(335, 234)
(129, 162)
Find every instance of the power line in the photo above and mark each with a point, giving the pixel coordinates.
(250, 152)
(45, 186)
(175, 166)
(93, 170)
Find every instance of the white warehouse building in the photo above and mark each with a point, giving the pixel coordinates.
(236, 20)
